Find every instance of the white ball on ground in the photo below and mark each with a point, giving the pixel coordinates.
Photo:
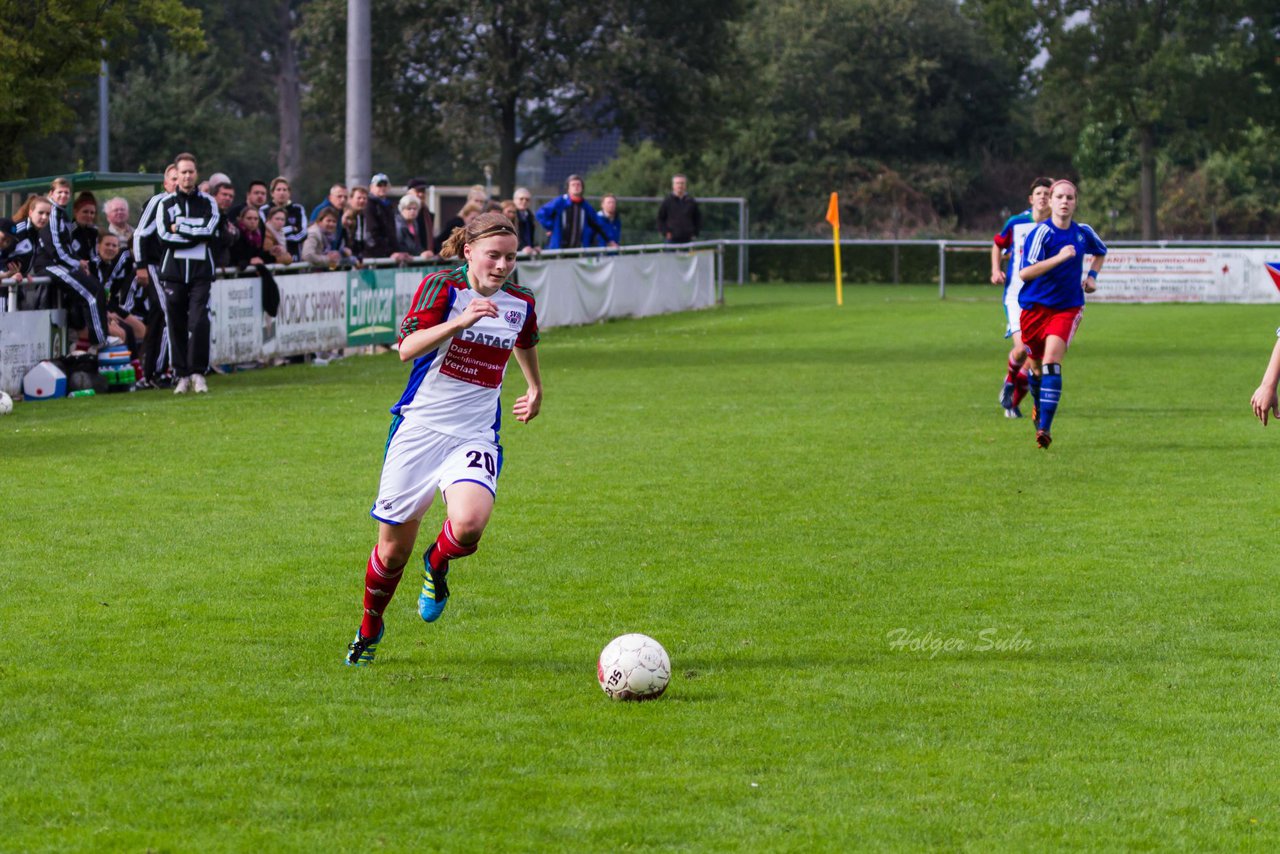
(634, 667)
(6, 403)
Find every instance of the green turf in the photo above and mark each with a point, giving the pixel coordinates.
(777, 490)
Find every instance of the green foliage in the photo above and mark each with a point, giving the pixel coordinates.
(488, 82)
(171, 663)
(49, 48)
(894, 118)
(177, 102)
(1179, 78)
(642, 169)
(1234, 190)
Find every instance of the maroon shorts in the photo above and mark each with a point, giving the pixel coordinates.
(1040, 321)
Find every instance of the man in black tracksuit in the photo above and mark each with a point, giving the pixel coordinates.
(188, 225)
(679, 219)
(147, 254)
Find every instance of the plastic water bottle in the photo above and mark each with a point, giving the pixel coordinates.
(84, 392)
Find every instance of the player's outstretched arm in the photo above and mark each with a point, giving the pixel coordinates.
(1264, 400)
(422, 341)
(528, 405)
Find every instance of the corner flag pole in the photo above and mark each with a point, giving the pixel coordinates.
(833, 217)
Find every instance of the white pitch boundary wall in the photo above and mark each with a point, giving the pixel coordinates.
(331, 310)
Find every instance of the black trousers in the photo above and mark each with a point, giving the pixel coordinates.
(86, 293)
(188, 309)
(155, 347)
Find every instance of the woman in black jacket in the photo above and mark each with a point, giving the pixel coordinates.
(409, 238)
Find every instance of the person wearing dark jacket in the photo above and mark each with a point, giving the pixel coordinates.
(411, 241)
(224, 196)
(526, 223)
(84, 229)
(426, 222)
(380, 220)
(112, 266)
(20, 260)
(55, 258)
(188, 225)
(355, 224)
(295, 215)
(611, 221)
(679, 219)
(147, 255)
(8, 243)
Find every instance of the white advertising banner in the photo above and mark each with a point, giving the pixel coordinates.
(312, 315)
(1189, 275)
(572, 291)
(235, 333)
(26, 338)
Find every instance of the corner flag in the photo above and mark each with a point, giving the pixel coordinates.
(833, 217)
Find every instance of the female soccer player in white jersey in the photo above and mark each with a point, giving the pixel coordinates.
(1052, 297)
(1011, 240)
(461, 328)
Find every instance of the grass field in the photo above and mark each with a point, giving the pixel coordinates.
(894, 623)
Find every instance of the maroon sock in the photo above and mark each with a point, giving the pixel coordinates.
(1020, 386)
(1014, 368)
(447, 547)
(379, 586)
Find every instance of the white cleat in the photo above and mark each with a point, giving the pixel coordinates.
(198, 384)
(183, 386)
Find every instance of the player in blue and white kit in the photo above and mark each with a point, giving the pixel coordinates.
(462, 327)
(1052, 297)
(1006, 261)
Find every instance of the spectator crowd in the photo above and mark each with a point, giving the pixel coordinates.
(146, 283)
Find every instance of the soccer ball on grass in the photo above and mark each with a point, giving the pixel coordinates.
(6, 403)
(634, 667)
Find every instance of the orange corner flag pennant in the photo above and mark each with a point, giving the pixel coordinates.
(833, 217)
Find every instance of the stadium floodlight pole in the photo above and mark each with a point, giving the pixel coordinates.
(359, 94)
(104, 138)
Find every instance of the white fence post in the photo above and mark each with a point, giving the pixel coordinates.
(942, 269)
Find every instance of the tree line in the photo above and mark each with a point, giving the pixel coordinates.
(928, 116)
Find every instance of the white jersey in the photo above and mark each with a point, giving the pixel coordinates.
(455, 389)
(1013, 238)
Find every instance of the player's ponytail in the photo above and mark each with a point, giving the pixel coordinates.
(484, 225)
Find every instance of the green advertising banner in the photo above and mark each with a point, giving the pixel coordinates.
(371, 307)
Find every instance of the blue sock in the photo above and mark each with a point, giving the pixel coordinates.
(1033, 386)
(1050, 394)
